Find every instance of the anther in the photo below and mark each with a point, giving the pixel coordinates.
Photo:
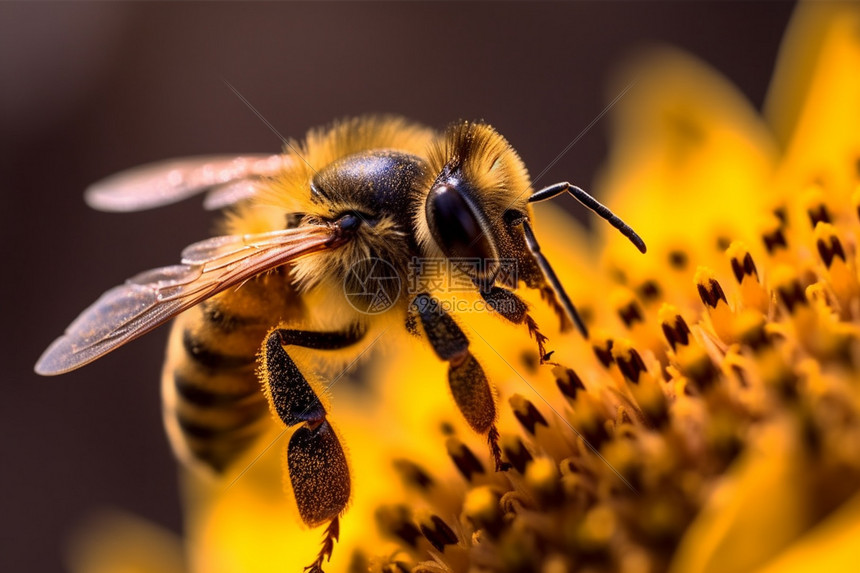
(395, 521)
(463, 458)
(678, 259)
(742, 261)
(828, 244)
(773, 236)
(526, 413)
(629, 362)
(516, 453)
(568, 382)
(603, 350)
(627, 307)
(413, 474)
(649, 290)
(816, 209)
(789, 291)
(709, 288)
(437, 532)
(674, 327)
(781, 213)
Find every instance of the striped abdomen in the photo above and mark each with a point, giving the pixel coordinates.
(214, 407)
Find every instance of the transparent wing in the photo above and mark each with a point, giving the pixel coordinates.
(171, 181)
(153, 297)
(231, 193)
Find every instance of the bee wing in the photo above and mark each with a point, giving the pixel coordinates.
(171, 181)
(153, 297)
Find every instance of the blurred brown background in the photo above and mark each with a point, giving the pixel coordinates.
(90, 89)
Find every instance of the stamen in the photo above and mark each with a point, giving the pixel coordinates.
(840, 269)
(816, 208)
(698, 367)
(773, 236)
(463, 458)
(603, 350)
(412, 474)
(788, 289)
(678, 259)
(589, 418)
(395, 521)
(709, 288)
(750, 329)
(674, 327)
(627, 307)
(526, 413)
(644, 387)
(828, 244)
(649, 291)
(742, 261)
(482, 508)
(437, 532)
(542, 477)
(629, 362)
(516, 453)
(596, 530)
(781, 213)
(753, 293)
(568, 382)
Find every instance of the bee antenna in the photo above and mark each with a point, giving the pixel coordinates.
(593, 204)
(552, 279)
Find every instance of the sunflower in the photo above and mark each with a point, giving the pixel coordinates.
(712, 421)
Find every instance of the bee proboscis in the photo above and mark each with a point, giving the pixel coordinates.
(300, 229)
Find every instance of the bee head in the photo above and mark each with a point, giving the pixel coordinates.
(476, 203)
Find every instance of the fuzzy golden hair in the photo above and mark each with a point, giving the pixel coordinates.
(321, 147)
(488, 163)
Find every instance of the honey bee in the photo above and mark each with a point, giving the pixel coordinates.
(303, 230)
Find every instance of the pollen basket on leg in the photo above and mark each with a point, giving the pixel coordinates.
(319, 473)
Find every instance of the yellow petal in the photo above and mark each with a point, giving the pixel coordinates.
(689, 164)
(830, 546)
(813, 100)
(757, 511)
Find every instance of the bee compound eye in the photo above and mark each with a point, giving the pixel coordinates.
(454, 224)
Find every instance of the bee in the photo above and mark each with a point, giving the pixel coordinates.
(304, 231)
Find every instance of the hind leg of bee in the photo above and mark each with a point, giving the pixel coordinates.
(466, 378)
(514, 309)
(315, 459)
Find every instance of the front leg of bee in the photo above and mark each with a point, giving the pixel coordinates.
(315, 459)
(514, 309)
(466, 378)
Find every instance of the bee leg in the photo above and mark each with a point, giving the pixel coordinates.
(551, 278)
(549, 297)
(514, 309)
(315, 459)
(466, 378)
